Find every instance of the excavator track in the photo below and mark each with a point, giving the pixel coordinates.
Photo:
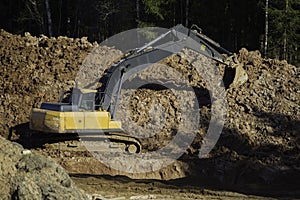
(111, 140)
(107, 141)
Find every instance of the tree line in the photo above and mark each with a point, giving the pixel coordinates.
(271, 26)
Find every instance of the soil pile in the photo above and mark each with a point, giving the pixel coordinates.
(26, 175)
(265, 111)
(34, 70)
(260, 140)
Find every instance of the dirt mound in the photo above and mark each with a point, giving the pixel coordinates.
(36, 70)
(264, 112)
(26, 175)
(260, 139)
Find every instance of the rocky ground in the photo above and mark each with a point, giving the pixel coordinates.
(27, 175)
(257, 153)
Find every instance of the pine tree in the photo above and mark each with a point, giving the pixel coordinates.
(284, 30)
(158, 12)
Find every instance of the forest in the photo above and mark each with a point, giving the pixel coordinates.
(271, 26)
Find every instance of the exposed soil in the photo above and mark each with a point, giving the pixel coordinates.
(257, 153)
(124, 188)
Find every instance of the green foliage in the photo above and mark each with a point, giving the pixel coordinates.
(157, 7)
(232, 23)
(154, 7)
(142, 24)
(147, 30)
(106, 8)
(284, 30)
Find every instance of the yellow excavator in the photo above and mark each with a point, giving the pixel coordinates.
(89, 112)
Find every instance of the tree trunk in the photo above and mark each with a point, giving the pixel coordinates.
(48, 11)
(59, 22)
(266, 29)
(138, 20)
(137, 9)
(76, 20)
(187, 13)
(181, 11)
(285, 32)
(174, 14)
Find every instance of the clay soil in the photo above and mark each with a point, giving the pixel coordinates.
(256, 155)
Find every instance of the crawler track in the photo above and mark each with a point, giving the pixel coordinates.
(93, 142)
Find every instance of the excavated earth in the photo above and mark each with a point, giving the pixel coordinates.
(257, 152)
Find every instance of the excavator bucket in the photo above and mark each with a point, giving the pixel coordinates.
(234, 74)
(240, 76)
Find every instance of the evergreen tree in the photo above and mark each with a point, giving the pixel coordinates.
(157, 13)
(233, 23)
(284, 30)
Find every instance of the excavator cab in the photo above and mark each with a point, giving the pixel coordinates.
(73, 100)
(74, 113)
(84, 98)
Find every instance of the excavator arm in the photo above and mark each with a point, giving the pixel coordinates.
(177, 39)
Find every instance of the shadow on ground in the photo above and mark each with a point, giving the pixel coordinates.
(236, 164)
(31, 139)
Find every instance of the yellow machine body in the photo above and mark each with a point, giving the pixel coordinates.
(72, 122)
